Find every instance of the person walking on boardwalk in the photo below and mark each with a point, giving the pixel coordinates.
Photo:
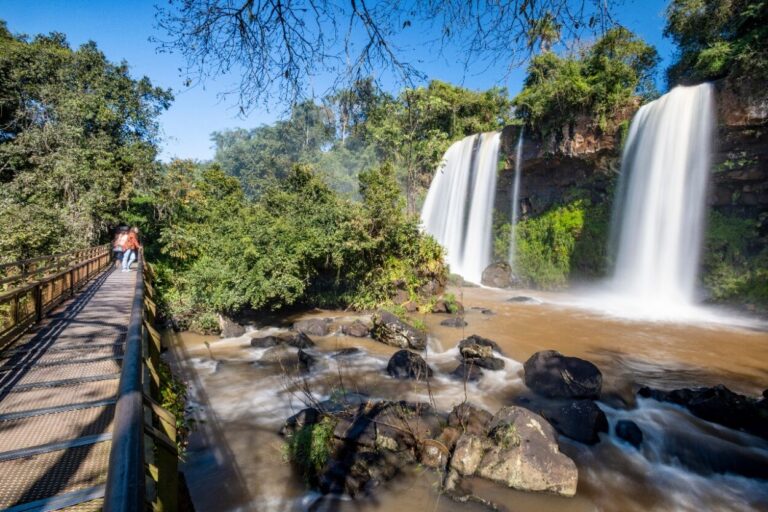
(131, 246)
(118, 245)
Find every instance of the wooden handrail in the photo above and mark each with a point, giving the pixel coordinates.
(27, 295)
(143, 460)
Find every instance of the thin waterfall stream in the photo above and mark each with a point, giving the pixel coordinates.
(515, 199)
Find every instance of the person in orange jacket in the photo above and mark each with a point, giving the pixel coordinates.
(132, 245)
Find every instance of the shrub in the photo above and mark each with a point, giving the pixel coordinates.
(310, 448)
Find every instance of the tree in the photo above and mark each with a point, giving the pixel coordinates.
(77, 135)
(717, 38)
(277, 46)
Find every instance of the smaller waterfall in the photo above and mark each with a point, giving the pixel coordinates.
(515, 200)
(458, 209)
(660, 210)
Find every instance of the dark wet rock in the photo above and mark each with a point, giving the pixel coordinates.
(447, 306)
(524, 300)
(487, 312)
(629, 432)
(479, 340)
(390, 330)
(454, 322)
(229, 328)
(313, 326)
(283, 355)
(271, 340)
(308, 416)
(301, 340)
(581, 420)
(347, 352)
(357, 329)
(551, 374)
(480, 355)
(520, 451)
(344, 401)
(306, 360)
(372, 442)
(469, 418)
(475, 351)
(405, 364)
(466, 371)
(718, 404)
(498, 275)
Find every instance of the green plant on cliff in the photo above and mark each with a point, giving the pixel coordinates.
(564, 242)
(735, 267)
(718, 38)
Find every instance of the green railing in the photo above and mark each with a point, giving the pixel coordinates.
(31, 288)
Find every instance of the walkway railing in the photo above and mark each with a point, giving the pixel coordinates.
(143, 473)
(31, 288)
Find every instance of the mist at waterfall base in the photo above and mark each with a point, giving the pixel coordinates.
(458, 209)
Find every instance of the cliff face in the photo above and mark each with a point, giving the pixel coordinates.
(740, 163)
(583, 162)
(587, 158)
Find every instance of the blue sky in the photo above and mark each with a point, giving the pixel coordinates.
(122, 30)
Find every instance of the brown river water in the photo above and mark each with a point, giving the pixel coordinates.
(235, 459)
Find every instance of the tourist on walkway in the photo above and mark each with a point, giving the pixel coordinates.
(118, 244)
(131, 246)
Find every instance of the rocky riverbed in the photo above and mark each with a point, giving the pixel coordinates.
(529, 403)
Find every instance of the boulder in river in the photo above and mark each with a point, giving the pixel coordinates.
(581, 420)
(356, 329)
(519, 451)
(629, 432)
(469, 418)
(479, 340)
(390, 330)
(448, 306)
(551, 374)
(720, 405)
(229, 328)
(313, 326)
(405, 364)
(479, 352)
(498, 275)
(454, 322)
(467, 371)
(271, 340)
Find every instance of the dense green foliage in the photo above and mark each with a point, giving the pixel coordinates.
(736, 259)
(565, 242)
(354, 129)
(77, 134)
(298, 243)
(595, 83)
(718, 38)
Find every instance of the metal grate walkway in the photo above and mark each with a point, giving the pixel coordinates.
(58, 388)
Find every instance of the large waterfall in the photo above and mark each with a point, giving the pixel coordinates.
(660, 211)
(458, 210)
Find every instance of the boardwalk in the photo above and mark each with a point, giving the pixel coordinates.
(58, 388)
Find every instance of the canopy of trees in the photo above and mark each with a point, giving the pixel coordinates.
(356, 128)
(77, 134)
(596, 82)
(717, 38)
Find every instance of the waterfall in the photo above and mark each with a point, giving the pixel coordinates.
(515, 199)
(458, 210)
(660, 212)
